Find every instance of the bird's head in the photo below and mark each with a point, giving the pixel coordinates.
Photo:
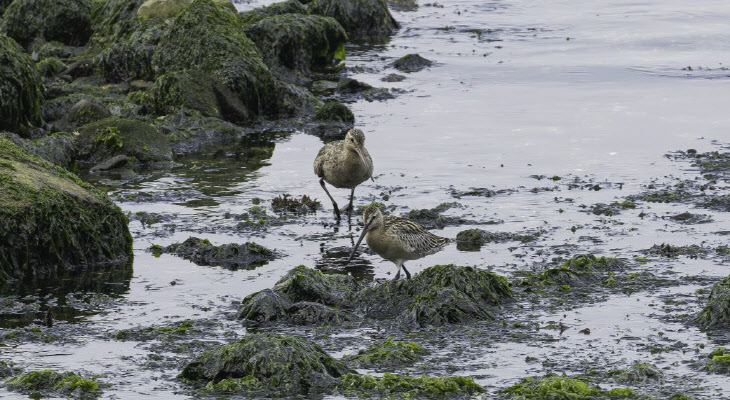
(355, 142)
(372, 218)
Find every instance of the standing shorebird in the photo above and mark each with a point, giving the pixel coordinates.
(344, 164)
(397, 239)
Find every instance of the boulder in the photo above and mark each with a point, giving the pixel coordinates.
(66, 21)
(233, 255)
(362, 19)
(162, 9)
(299, 42)
(412, 63)
(52, 224)
(20, 89)
(279, 365)
(716, 313)
(87, 111)
(259, 13)
(210, 38)
(106, 138)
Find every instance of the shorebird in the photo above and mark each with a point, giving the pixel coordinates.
(397, 239)
(344, 164)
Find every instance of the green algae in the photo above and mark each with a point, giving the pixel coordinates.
(334, 111)
(106, 138)
(716, 314)
(50, 66)
(66, 21)
(555, 387)
(260, 13)
(52, 224)
(639, 373)
(305, 284)
(362, 19)
(20, 103)
(233, 256)
(287, 203)
(234, 385)
(389, 353)
(409, 386)
(47, 383)
(719, 360)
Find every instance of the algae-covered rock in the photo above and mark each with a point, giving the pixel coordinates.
(639, 373)
(439, 295)
(86, 111)
(233, 255)
(20, 88)
(66, 21)
(101, 140)
(282, 365)
(389, 353)
(474, 239)
(46, 383)
(719, 360)
(161, 8)
(197, 90)
(57, 148)
(305, 284)
(52, 224)
(334, 111)
(284, 7)
(405, 386)
(299, 42)
(362, 19)
(412, 63)
(716, 313)
(562, 387)
(210, 38)
(50, 67)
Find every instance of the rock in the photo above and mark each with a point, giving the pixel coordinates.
(50, 67)
(264, 306)
(280, 366)
(304, 284)
(553, 386)
(46, 383)
(209, 38)
(334, 111)
(259, 13)
(716, 313)
(389, 353)
(393, 78)
(294, 100)
(324, 87)
(200, 251)
(439, 295)
(140, 85)
(197, 90)
(101, 140)
(349, 85)
(66, 21)
(406, 386)
(433, 219)
(112, 163)
(639, 374)
(362, 19)
(3, 5)
(474, 239)
(54, 225)
(80, 68)
(57, 148)
(87, 111)
(412, 63)
(20, 107)
(299, 42)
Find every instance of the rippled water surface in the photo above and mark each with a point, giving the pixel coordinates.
(594, 90)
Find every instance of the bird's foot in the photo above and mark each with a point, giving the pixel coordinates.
(397, 276)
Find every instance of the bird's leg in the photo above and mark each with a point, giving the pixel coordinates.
(334, 203)
(398, 265)
(349, 208)
(408, 274)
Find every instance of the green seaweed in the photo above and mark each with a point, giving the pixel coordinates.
(556, 387)
(389, 353)
(408, 386)
(20, 103)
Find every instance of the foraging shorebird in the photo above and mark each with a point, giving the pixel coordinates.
(344, 164)
(397, 239)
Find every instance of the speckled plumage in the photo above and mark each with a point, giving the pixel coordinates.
(344, 164)
(398, 239)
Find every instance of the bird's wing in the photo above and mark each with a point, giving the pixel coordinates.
(319, 162)
(415, 236)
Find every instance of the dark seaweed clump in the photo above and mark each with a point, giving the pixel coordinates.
(202, 252)
(287, 203)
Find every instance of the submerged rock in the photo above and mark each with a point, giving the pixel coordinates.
(209, 38)
(716, 313)
(406, 386)
(274, 364)
(200, 251)
(362, 19)
(393, 78)
(65, 21)
(433, 219)
(101, 140)
(474, 239)
(299, 42)
(412, 63)
(389, 353)
(52, 224)
(286, 203)
(46, 383)
(20, 103)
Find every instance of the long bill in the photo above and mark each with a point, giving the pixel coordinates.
(362, 236)
(362, 157)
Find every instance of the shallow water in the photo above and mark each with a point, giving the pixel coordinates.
(593, 89)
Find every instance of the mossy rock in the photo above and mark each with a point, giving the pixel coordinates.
(362, 19)
(57, 148)
(197, 90)
(50, 67)
(162, 9)
(20, 89)
(306, 284)
(259, 13)
(52, 224)
(299, 42)
(4, 5)
(716, 313)
(439, 295)
(210, 38)
(282, 365)
(405, 386)
(412, 63)
(719, 361)
(101, 140)
(639, 373)
(232, 256)
(389, 353)
(86, 111)
(114, 21)
(334, 111)
(46, 383)
(66, 21)
(562, 387)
